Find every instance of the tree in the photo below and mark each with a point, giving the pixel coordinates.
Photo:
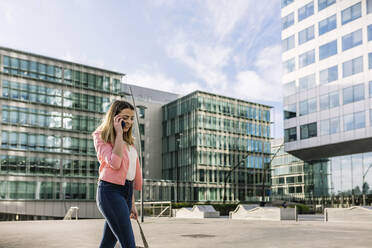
(365, 188)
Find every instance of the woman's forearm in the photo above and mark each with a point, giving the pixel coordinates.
(118, 146)
(133, 201)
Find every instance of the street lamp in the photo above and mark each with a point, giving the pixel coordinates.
(124, 93)
(364, 191)
(178, 140)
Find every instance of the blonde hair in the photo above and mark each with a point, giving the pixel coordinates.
(108, 133)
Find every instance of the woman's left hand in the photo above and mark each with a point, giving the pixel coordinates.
(133, 212)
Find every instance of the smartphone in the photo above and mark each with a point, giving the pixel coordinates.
(122, 124)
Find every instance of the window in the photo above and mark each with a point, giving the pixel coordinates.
(289, 88)
(290, 134)
(308, 130)
(328, 50)
(287, 21)
(322, 4)
(370, 88)
(306, 58)
(289, 65)
(330, 126)
(286, 2)
(328, 101)
(353, 94)
(354, 121)
(290, 111)
(142, 129)
(288, 43)
(141, 112)
(308, 106)
(305, 11)
(328, 75)
(307, 82)
(306, 35)
(352, 40)
(327, 24)
(370, 61)
(352, 67)
(350, 14)
(369, 29)
(369, 6)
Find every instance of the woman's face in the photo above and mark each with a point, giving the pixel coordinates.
(127, 115)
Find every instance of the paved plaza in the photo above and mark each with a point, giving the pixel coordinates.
(172, 232)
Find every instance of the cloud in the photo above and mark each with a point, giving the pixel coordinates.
(224, 15)
(160, 81)
(205, 61)
(10, 11)
(269, 63)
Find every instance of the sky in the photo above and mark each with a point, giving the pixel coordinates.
(227, 47)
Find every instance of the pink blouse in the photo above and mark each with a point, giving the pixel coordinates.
(112, 168)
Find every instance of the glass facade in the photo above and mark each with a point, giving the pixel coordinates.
(205, 136)
(287, 173)
(49, 108)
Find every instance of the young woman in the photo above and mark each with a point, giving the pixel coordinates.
(119, 173)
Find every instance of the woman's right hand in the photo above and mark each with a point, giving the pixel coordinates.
(117, 124)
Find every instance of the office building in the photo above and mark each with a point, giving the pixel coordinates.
(205, 136)
(49, 108)
(327, 57)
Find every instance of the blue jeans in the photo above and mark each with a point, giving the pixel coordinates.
(115, 202)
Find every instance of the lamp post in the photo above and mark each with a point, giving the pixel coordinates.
(178, 140)
(364, 191)
(124, 93)
(229, 174)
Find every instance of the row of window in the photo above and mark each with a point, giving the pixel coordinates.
(213, 176)
(329, 49)
(290, 190)
(287, 169)
(46, 143)
(36, 70)
(55, 97)
(226, 108)
(234, 126)
(47, 166)
(327, 101)
(287, 180)
(48, 119)
(328, 75)
(232, 143)
(182, 110)
(23, 190)
(347, 15)
(223, 159)
(352, 121)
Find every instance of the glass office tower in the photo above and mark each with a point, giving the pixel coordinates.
(327, 57)
(287, 174)
(205, 136)
(49, 109)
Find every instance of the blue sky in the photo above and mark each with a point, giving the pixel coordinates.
(228, 47)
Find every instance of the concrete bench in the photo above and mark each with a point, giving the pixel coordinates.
(352, 214)
(254, 212)
(198, 212)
